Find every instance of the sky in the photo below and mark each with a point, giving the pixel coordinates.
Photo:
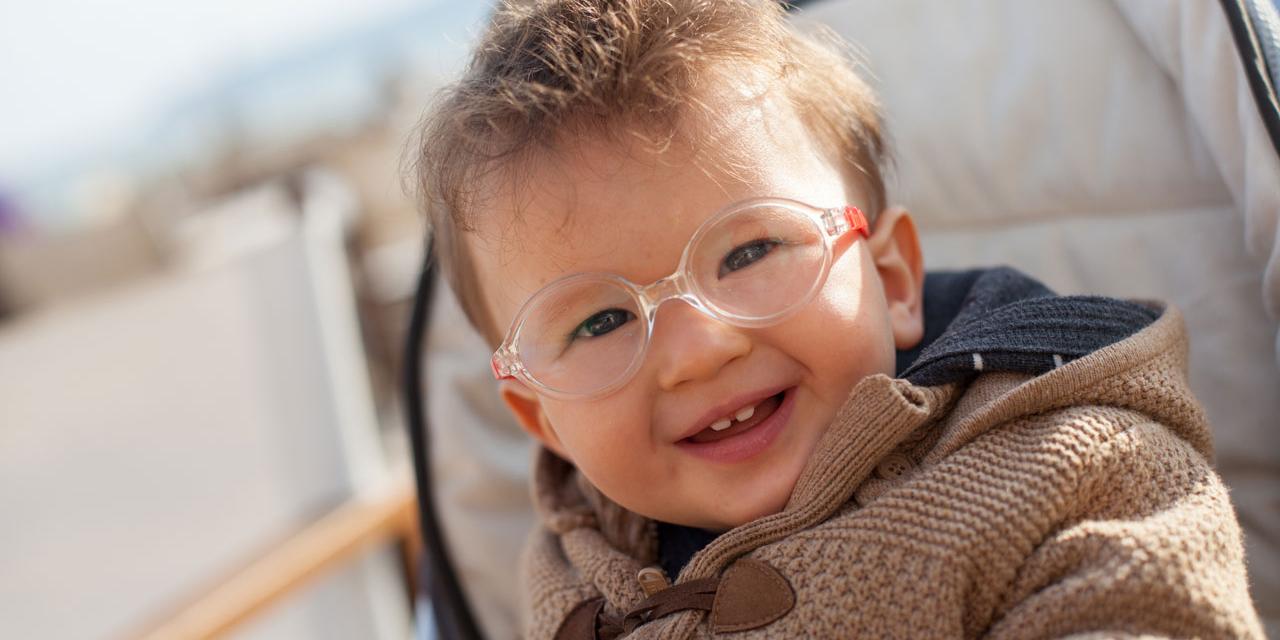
(81, 76)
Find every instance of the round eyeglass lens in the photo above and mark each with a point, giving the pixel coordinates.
(760, 262)
(582, 336)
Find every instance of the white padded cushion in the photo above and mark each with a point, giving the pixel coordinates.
(1015, 111)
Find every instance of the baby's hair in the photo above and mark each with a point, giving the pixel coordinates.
(546, 70)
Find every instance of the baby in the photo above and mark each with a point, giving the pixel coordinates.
(757, 415)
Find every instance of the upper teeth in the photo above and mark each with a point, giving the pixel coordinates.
(742, 414)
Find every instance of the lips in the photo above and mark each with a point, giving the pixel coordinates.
(761, 412)
(744, 441)
(729, 408)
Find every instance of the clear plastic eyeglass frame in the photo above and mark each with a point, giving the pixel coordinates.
(679, 285)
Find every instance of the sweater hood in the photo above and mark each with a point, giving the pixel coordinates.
(1011, 349)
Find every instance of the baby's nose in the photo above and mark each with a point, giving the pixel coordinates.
(689, 345)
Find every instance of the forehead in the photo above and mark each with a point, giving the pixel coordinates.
(623, 204)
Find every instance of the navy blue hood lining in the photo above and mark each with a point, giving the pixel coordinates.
(1008, 321)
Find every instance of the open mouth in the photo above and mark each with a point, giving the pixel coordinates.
(744, 419)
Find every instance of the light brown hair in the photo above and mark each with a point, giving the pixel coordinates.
(547, 69)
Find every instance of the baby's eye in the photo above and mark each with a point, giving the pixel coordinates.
(602, 323)
(745, 255)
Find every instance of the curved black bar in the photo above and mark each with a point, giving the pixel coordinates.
(453, 616)
(1255, 67)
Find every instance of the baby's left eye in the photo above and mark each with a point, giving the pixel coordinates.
(745, 255)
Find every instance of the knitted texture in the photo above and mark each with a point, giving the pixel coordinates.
(1080, 501)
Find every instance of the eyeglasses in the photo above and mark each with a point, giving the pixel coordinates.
(750, 265)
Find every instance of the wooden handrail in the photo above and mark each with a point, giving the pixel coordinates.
(336, 539)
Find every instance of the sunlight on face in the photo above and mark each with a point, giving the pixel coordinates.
(623, 208)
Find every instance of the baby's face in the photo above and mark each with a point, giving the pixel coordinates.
(597, 206)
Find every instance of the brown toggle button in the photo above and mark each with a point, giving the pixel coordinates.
(894, 466)
(652, 580)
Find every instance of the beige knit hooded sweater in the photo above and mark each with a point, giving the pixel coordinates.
(1080, 502)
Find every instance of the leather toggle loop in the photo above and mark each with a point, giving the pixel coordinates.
(582, 621)
(751, 594)
(695, 594)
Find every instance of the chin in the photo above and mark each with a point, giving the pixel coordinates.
(752, 510)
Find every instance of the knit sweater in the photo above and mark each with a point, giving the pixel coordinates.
(999, 502)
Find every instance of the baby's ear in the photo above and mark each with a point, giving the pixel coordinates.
(526, 406)
(895, 249)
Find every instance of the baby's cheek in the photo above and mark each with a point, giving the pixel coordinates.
(842, 298)
(844, 342)
(602, 438)
(831, 322)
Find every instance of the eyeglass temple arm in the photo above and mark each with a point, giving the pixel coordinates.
(839, 221)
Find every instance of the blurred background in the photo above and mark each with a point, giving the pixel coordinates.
(206, 259)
